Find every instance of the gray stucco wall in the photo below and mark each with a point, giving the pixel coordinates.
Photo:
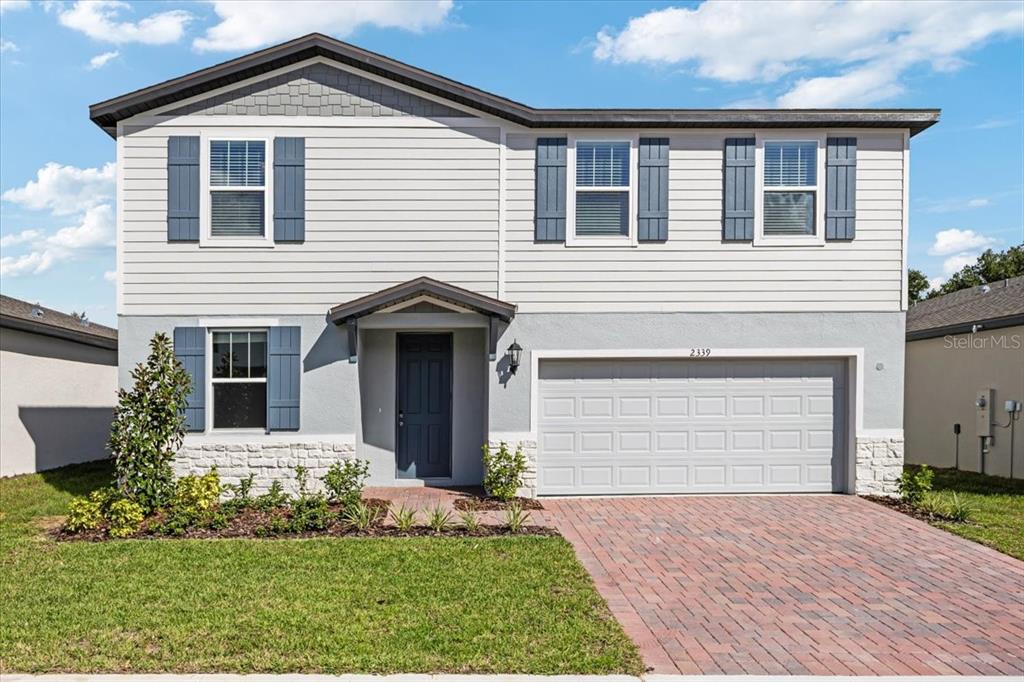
(327, 408)
(317, 90)
(57, 398)
(880, 334)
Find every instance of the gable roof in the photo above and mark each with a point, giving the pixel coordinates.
(995, 305)
(31, 317)
(421, 286)
(106, 114)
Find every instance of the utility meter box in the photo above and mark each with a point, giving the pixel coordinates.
(983, 413)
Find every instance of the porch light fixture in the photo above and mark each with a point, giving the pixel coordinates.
(514, 354)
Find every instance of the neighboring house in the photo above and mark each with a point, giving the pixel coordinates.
(961, 347)
(345, 249)
(58, 387)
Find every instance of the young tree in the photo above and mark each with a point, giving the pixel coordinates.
(917, 285)
(149, 425)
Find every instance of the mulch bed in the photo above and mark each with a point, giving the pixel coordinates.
(908, 509)
(256, 523)
(494, 504)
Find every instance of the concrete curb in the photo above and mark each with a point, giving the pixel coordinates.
(417, 677)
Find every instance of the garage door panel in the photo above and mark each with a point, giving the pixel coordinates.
(663, 426)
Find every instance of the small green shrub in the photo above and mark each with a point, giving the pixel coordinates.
(913, 484)
(310, 512)
(125, 517)
(959, 509)
(149, 426)
(241, 495)
(503, 470)
(404, 518)
(516, 518)
(274, 498)
(360, 516)
(198, 494)
(83, 514)
(470, 520)
(344, 481)
(439, 518)
(933, 504)
(87, 513)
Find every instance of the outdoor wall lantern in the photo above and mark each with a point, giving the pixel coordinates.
(514, 354)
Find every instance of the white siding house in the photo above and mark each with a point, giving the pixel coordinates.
(345, 247)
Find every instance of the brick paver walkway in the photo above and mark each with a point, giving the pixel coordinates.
(814, 585)
(808, 585)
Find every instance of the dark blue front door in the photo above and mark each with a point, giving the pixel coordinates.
(424, 418)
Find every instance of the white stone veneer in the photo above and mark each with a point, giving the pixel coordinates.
(879, 465)
(266, 461)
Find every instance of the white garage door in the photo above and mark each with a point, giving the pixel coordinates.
(677, 426)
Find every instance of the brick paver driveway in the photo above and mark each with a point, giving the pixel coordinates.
(797, 584)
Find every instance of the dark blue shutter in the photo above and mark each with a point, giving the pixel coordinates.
(190, 349)
(284, 369)
(652, 187)
(738, 198)
(841, 188)
(182, 189)
(550, 191)
(289, 189)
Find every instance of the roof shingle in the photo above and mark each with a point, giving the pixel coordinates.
(18, 314)
(1003, 300)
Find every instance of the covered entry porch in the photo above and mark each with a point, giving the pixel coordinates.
(423, 351)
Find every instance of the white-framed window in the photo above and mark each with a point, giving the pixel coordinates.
(236, 174)
(238, 379)
(789, 206)
(601, 206)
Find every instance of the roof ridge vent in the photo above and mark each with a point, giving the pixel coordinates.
(985, 288)
(37, 311)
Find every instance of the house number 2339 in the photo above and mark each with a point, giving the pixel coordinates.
(700, 352)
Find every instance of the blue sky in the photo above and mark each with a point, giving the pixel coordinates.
(967, 181)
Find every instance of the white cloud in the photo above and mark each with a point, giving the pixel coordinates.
(959, 241)
(7, 46)
(95, 231)
(13, 5)
(953, 204)
(871, 43)
(101, 60)
(99, 19)
(19, 238)
(954, 264)
(110, 275)
(978, 202)
(249, 25)
(936, 282)
(65, 189)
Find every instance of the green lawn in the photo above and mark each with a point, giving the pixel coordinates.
(502, 605)
(997, 504)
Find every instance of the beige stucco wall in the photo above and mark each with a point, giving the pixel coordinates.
(56, 401)
(943, 377)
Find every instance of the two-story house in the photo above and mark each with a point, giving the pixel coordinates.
(356, 257)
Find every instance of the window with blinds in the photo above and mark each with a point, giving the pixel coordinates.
(790, 185)
(237, 187)
(602, 189)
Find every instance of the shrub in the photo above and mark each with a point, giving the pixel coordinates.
(360, 516)
(149, 426)
(503, 471)
(932, 504)
(83, 514)
(516, 518)
(193, 503)
(404, 518)
(274, 498)
(310, 512)
(470, 520)
(241, 494)
(344, 481)
(913, 484)
(125, 517)
(439, 518)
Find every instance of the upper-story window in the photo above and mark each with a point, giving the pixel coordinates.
(602, 193)
(237, 190)
(239, 378)
(791, 177)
